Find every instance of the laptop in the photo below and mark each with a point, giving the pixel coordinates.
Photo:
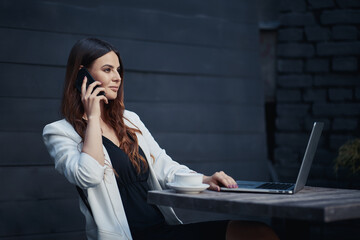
(285, 188)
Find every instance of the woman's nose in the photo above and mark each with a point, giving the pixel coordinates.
(116, 76)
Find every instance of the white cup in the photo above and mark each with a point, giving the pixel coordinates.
(188, 179)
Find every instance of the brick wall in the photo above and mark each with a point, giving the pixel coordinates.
(318, 79)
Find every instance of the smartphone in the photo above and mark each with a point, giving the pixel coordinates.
(80, 78)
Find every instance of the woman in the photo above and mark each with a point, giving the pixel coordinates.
(109, 153)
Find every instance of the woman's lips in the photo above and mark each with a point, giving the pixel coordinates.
(115, 89)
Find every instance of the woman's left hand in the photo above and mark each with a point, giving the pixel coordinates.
(219, 179)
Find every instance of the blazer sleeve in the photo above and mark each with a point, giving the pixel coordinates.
(78, 167)
(163, 165)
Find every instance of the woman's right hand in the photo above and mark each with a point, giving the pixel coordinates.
(91, 100)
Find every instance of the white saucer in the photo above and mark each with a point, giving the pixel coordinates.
(188, 189)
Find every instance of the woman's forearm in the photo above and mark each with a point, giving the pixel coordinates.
(93, 140)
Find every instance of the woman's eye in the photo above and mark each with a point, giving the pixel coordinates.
(107, 70)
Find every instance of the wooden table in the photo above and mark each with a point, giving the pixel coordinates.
(310, 204)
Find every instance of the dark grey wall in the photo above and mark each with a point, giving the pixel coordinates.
(192, 74)
(318, 53)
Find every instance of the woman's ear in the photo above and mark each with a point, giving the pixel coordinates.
(81, 66)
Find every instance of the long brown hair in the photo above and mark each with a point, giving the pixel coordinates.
(85, 52)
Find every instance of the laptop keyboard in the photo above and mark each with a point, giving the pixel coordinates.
(282, 186)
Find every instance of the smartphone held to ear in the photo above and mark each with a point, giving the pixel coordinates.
(80, 78)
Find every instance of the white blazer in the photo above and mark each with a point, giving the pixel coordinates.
(109, 221)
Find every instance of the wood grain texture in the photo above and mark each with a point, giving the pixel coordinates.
(138, 55)
(31, 81)
(35, 81)
(25, 114)
(311, 203)
(200, 118)
(28, 114)
(28, 184)
(40, 216)
(197, 147)
(156, 87)
(33, 151)
(212, 147)
(75, 235)
(240, 169)
(151, 24)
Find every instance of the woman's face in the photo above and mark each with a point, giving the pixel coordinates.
(105, 70)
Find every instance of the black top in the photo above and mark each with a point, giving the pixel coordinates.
(133, 189)
(145, 220)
